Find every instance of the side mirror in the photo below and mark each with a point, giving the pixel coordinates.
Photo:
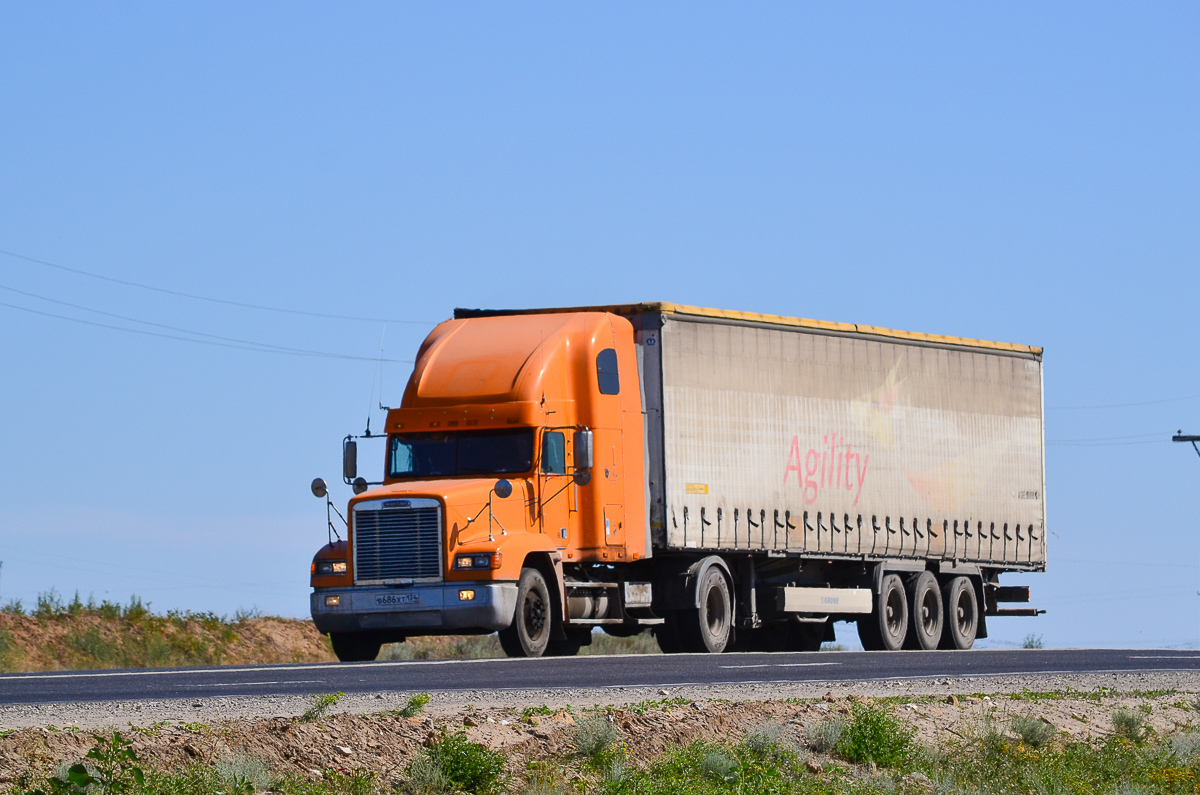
(359, 485)
(349, 460)
(583, 450)
(502, 488)
(319, 489)
(582, 477)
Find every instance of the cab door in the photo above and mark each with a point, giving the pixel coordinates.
(555, 486)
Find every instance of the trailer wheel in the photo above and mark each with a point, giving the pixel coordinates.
(709, 627)
(355, 646)
(886, 627)
(925, 615)
(962, 614)
(529, 633)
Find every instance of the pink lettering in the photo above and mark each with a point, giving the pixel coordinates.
(794, 455)
(810, 469)
(862, 475)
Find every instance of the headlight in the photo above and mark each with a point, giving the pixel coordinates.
(328, 568)
(477, 560)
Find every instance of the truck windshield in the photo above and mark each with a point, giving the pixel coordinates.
(420, 455)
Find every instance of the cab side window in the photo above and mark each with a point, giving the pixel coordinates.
(606, 372)
(554, 453)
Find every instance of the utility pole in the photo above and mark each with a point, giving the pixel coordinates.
(1180, 437)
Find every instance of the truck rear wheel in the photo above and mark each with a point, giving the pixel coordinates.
(529, 633)
(925, 615)
(962, 614)
(886, 627)
(709, 627)
(355, 646)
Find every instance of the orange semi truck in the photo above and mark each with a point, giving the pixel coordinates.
(728, 480)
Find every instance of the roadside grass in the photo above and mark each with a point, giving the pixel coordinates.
(874, 752)
(641, 643)
(458, 647)
(113, 635)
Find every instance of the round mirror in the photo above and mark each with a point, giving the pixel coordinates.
(502, 488)
(582, 477)
(359, 485)
(319, 488)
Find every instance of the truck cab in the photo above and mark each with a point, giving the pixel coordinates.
(504, 462)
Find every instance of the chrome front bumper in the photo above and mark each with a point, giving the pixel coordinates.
(416, 610)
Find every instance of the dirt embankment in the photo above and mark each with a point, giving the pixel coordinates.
(90, 640)
(385, 742)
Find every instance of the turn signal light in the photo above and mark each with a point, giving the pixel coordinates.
(477, 560)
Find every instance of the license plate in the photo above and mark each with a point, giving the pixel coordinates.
(384, 600)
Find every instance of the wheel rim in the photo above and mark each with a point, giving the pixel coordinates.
(929, 613)
(535, 615)
(963, 614)
(715, 611)
(895, 612)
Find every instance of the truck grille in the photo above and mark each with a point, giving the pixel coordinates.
(398, 540)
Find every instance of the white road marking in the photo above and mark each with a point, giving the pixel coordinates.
(778, 665)
(250, 684)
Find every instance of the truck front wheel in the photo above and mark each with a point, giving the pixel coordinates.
(529, 633)
(354, 646)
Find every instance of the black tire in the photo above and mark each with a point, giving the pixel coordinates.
(962, 614)
(925, 613)
(886, 627)
(355, 646)
(529, 633)
(709, 627)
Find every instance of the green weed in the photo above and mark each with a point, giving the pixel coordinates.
(455, 764)
(656, 705)
(318, 705)
(414, 706)
(1129, 724)
(873, 734)
(244, 773)
(824, 736)
(596, 738)
(1034, 732)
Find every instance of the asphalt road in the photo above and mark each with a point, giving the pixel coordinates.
(576, 672)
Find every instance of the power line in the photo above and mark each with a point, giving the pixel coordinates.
(1156, 436)
(265, 345)
(193, 296)
(244, 345)
(1103, 444)
(1123, 405)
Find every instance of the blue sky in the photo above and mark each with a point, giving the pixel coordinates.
(1022, 172)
